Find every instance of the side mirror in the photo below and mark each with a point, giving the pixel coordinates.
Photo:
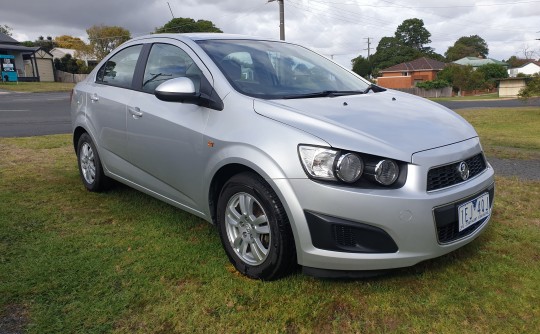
(177, 90)
(183, 90)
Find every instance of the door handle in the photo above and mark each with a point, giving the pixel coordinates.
(135, 112)
(94, 97)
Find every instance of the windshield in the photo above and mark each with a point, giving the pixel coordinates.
(278, 70)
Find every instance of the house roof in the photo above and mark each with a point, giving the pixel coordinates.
(531, 61)
(420, 64)
(22, 48)
(477, 62)
(6, 39)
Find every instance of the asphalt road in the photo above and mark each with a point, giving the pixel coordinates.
(34, 114)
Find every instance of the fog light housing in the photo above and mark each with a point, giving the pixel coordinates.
(386, 172)
(349, 167)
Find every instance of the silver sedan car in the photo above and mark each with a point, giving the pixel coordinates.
(296, 160)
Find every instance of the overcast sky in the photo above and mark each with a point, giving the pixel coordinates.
(331, 27)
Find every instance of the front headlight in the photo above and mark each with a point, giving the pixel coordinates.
(318, 162)
(335, 165)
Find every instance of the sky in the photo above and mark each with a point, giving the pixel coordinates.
(338, 29)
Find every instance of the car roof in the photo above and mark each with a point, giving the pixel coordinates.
(204, 36)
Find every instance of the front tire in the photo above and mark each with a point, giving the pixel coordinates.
(254, 228)
(90, 167)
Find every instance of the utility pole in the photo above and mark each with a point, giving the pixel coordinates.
(170, 9)
(281, 19)
(368, 46)
(369, 52)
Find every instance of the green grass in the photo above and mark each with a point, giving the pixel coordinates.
(123, 262)
(492, 96)
(37, 87)
(507, 132)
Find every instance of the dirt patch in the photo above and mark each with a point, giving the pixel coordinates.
(13, 319)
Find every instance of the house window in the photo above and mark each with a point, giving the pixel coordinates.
(405, 74)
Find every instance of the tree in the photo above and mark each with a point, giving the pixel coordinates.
(5, 29)
(184, 25)
(408, 43)
(390, 51)
(66, 64)
(491, 73)
(462, 77)
(103, 39)
(474, 46)
(412, 33)
(516, 62)
(69, 42)
(532, 89)
(528, 52)
(46, 44)
(361, 66)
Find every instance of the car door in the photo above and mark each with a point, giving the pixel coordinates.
(107, 98)
(165, 139)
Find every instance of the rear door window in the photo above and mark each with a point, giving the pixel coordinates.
(119, 69)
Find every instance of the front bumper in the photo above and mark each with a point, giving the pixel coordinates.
(405, 214)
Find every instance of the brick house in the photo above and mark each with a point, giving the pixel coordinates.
(408, 74)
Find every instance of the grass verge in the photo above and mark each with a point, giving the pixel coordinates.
(123, 262)
(492, 96)
(511, 133)
(37, 87)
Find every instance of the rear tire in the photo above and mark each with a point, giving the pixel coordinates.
(90, 167)
(254, 228)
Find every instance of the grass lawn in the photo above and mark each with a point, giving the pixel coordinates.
(492, 96)
(122, 262)
(507, 132)
(37, 87)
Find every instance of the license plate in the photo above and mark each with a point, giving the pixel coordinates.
(473, 211)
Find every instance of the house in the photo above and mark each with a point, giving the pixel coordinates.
(476, 62)
(23, 63)
(531, 67)
(61, 52)
(408, 74)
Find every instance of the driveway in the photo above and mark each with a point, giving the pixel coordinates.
(34, 114)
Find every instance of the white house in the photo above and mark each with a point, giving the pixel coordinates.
(61, 52)
(528, 68)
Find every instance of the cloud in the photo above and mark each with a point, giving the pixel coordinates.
(332, 27)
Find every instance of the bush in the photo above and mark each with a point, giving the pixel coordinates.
(435, 84)
(532, 89)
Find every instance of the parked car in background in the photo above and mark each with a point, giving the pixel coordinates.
(297, 160)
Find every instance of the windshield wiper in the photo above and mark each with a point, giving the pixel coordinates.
(324, 93)
(374, 88)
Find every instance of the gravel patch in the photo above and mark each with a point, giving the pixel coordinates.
(523, 169)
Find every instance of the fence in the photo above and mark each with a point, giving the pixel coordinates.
(62, 76)
(438, 92)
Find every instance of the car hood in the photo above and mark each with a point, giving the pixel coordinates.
(390, 124)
